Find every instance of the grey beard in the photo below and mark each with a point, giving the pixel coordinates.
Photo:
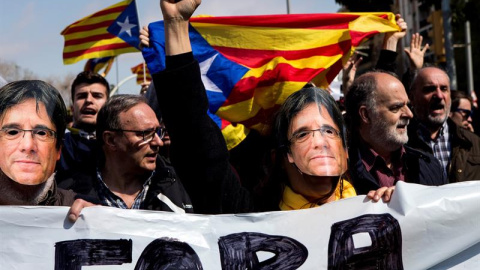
(13, 193)
(437, 121)
(385, 138)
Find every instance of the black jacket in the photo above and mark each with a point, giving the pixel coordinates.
(164, 181)
(198, 150)
(465, 157)
(421, 168)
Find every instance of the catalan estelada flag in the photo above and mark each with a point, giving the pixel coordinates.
(109, 32)
(97, 64)
(251, 64)
(143, 75)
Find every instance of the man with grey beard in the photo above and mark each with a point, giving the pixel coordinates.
(457, 149)
(378, 116)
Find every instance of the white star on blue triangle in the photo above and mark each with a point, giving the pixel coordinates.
(126, 27)
(204, 68)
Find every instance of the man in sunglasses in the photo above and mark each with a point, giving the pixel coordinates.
(131, 174)
(457, 149)
(461, 112)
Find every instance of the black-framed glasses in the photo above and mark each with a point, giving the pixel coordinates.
(147, 135)
(465, 113)
(304, 135)
(40, 134)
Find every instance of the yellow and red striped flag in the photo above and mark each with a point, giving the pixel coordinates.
(108, 32)
(143, 75)
(251, 64)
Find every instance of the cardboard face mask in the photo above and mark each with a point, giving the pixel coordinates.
(316, 143)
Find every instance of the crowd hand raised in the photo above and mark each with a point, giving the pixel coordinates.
(384, 193)
(415, 52)
(349, 70)
(391, 38)
(178, 10)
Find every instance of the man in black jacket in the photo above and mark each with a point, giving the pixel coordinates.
(378, 116)
(131, 174)
(89, 93)
(457, 149)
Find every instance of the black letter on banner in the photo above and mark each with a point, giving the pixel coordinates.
(74, 254)
(384, 253)
(238, 251)
(167, 253)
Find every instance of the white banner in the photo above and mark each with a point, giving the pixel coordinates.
(421, 228)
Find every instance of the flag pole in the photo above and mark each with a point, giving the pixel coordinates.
(116, 67)
(144, 73)
(138, 17)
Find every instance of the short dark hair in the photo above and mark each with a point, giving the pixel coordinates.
(457, 96)
(107, 118)
(89, 77)
(296, 103)
(361, 93)
(19, 91)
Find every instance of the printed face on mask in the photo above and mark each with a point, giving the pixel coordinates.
(316, 146)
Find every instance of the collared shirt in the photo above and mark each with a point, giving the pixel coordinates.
(377, 167)
(441, 147)
(108, 198)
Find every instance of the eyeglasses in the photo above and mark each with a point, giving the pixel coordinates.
(305, 135)
(40, 134)
(465, 113)
(147, 135)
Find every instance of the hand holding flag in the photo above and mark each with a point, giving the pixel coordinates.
(250, 64)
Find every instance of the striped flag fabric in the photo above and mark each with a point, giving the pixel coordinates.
(108, 32)
(97, 64)
(143, 75)
(251, 64)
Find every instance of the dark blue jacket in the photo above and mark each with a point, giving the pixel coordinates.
(421, 168)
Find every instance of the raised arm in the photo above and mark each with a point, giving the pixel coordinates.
(176, 15)
(391, 39)
(415, 53)
(388, 56)
(198, 149)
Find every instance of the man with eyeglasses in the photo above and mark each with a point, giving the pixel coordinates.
(32, 126)
(378, 116)
(457, 149)
(461, 112)
(131, 174)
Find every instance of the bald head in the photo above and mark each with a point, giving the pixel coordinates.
(377, 106)
(430, 97)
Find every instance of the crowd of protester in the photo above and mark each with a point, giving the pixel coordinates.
(118, 153)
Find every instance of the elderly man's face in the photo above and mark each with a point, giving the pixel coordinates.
(318, 153)
(390, 116)
(431, 97)
(138, 155)
(27, 159)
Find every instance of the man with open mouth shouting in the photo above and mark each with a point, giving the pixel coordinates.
(89, 91)
(457, 149)
(378, 116)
